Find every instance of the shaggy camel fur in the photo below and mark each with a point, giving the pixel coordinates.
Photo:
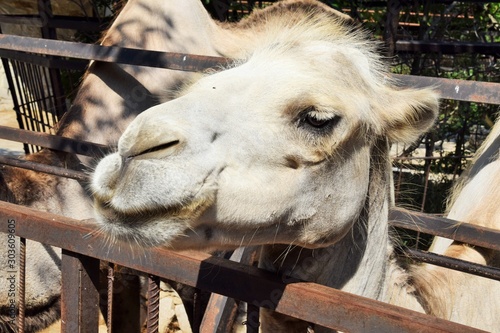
(287, 148)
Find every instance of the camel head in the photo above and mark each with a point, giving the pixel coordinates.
(274, 149)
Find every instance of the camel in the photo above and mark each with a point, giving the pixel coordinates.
(470, 202)
(110, 96)
(287, 149)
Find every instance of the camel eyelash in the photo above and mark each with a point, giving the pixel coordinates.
(318, 122)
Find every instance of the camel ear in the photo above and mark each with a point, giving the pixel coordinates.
(409, 113)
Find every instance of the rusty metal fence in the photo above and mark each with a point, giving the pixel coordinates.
(39, 85)
(83, 249)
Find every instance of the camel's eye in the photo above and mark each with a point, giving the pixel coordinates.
(317, 121)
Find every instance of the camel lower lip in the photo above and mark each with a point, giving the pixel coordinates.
(113, 216)
(145, 228)
(148, 228)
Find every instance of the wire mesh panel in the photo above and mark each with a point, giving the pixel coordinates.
(41, 86)
(36, 102)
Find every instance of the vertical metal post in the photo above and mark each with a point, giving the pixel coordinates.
(45, 12)
(111, 278)
(126, 302)
(80, 293)
(391, 26)
(253, 321)
(220, 315)
(197, 310)
(429, 148)
(222, 312)
(15, 102)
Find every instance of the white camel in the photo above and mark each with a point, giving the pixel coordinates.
(287, 148)
(111, 95)
(472, 201)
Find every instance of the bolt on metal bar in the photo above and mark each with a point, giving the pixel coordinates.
(22, 285)
(452, 263)
(34, 166)
(153, 304)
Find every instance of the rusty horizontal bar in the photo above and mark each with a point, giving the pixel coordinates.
(447, 47)
(56, 21)
(308, 301)
(175, 61)
(50, 169)
(440, 226)
(452, 263)
(90, 24)
(471, 91)
(408, 158)
(460, 90)
(30, 20)
(54, 142)
(45, 61)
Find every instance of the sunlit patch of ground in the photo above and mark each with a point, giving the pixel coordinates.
(8, 118)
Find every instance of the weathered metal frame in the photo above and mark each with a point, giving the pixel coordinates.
(470, 91)
(447, 47)
(367, 313)
(311, 302)
(55, 21)
(421, 222)
(41, 75)
(54, 142)
(440, 226)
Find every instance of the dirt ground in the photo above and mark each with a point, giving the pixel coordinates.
(8, 118)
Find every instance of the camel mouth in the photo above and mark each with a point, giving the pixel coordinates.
(111, 215)
(158, 226)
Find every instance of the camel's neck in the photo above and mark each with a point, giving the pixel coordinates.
(361, 263)
(112, 95)
(46, 192)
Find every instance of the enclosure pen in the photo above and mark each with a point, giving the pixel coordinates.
(84, 250)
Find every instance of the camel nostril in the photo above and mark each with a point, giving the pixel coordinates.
(156, 148)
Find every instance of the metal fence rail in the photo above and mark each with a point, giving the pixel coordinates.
(471, 91)
(311, 302)
(39, 85)
(54, 142)
(82, 248)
